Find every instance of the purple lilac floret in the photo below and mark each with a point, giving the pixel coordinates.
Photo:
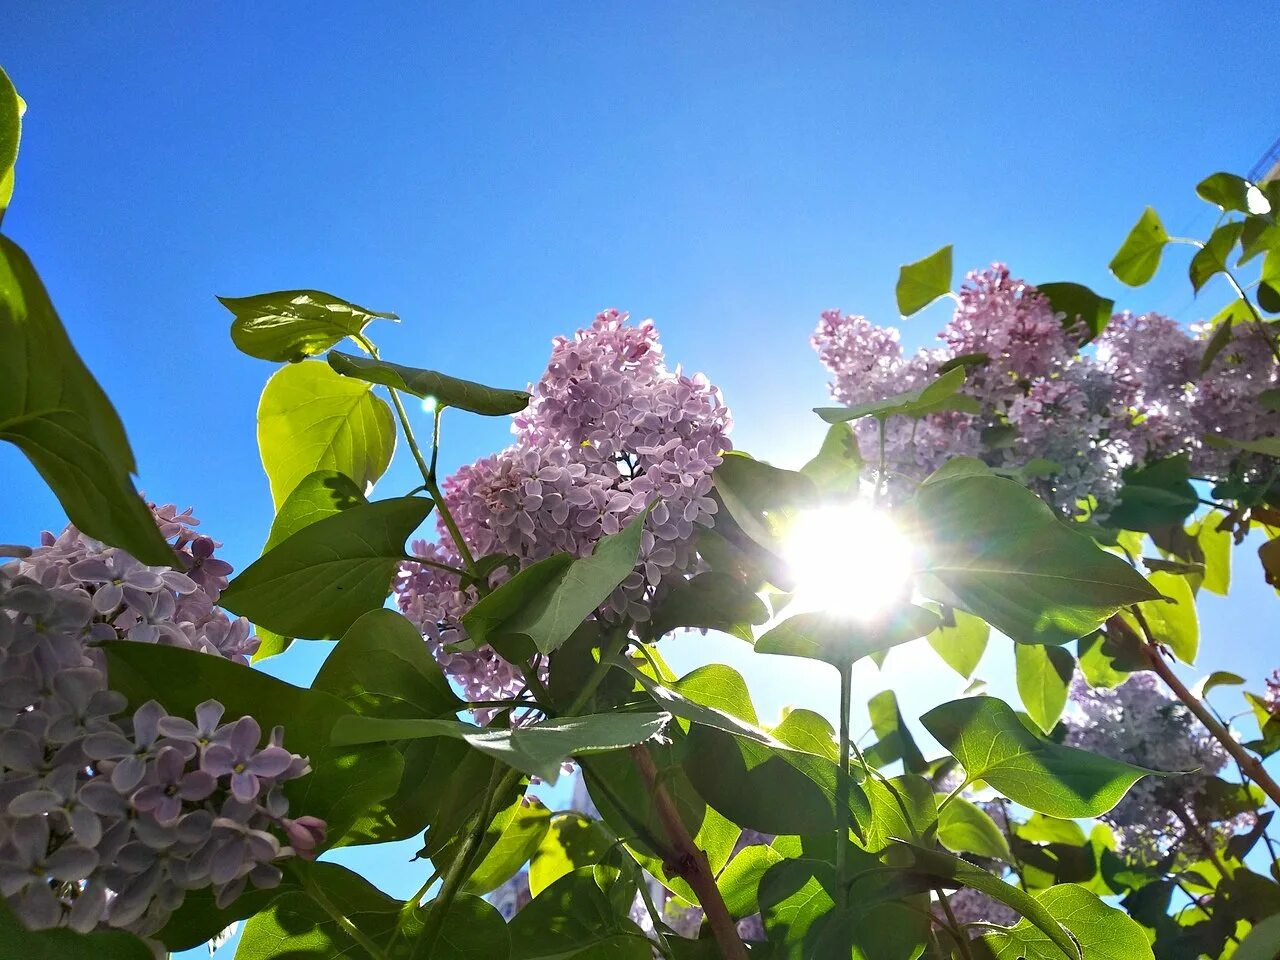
(1135, 397)
(610, 431)
(1137, 723)
(108, 819)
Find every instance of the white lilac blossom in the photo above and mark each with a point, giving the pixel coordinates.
(1135, 397)
(109, 819)
(610, 431)
(1137, 723)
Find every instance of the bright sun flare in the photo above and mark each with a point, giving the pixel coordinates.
(850, 560)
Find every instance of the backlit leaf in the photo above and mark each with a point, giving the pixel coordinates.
(1102, 932)
(291, 325)
(841, 641)
(964, 827)
(922, 282)
(1044, 677)
(961, 646)
(1085, 312)
(1138, 258)
(937, 395)
(446, 391)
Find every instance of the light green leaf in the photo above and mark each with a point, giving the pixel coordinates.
(712, 601)
(901, 807)
(55, 412)
(1212, 258)
(11, 110)
(740, 880)
(922, 282)
(1102, 932)
(320, 580)
(998, 550)
(961, 646)
(1044, 677)
(1080, 305)
(309, 419)
(937, 395)
(1219, 678)
(509, 842)
(837, 469)
(548, 606)
(1138, 258)
(538, 749)
(572, 840)
(291, 325)
(1176, 624)
(966, 828)
(1226, 191)
(992, 744)
(446, 391)
(841, 641)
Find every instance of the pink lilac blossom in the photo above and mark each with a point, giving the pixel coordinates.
(109, 819)
(610, 431)
(970, 906)
(1136, 397)
(1136, 722)
(1272, 697)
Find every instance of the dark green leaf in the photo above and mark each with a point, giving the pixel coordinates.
(966, 828)
(549, 600)
(1226, 191)
(1260, 234)
(711, 600)
(446, 391)
(343, 781)
(756, 493)
(1267, 446)
(472, 930)
(291, 325)
(508, 844)
(1237, 311)
(538, 749)
(55, 412)
(320, 580)
(922, 282)
(1212, 258)
(576, 918)
(11, 110)
(962, 645)
(992, 744)
(1156, 495)
(841, 641)
(1044, 677)
(895, 739)
(16, 941)
(998, 550)
(1262, 943)
(1269, 283)
(309, 419)
(837, 469)
(1081, 306)
(937, 395)
(1102, 932)
(1138, 258)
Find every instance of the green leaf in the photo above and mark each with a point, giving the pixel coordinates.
(966, 828)
(895, 739)
(55, 412)
(902, 807)
(1216, 546)
(472, 930)
(318, 495)
(756, 494)
(1109, 656)
(1268, 294)
(1226, 191)
(446, 391)
(740, 880)
(1044, 677)
(937, 395)
(577, 918)
(1237, 311)
(922, 282)
(992, 744)
(538, 749)
(11, 110)
(509, 842)
(961, 646)
(712, 601)
(837, 469)
(1219, 678)
(841, 641)
(572, 840)
(1138, 258)
(547, 606)
(343, 782)
(320, 580)
(1174, 622)
(1212, 258)
(998, 550)
(1080, 305)
(1102, 932)
(291, 325)
(62, 943)
(309, 419)
(1267, 446)
(1156, 495)
(1262, 943)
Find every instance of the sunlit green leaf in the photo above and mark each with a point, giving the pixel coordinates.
(1044, 676)
(11, 110)
(1102, 932)
(446, 391)
(1138, 258)
(962, 645)
(572, 840)
(291, 325)
(1212, 258)
(320, 580)
(937, 395)
(837, 469)
(922, 282)
(756, 493)
(1225, 190)
(1085, 311)
(992, 744)
(895, 740)
(509, 842)
(966, 828)
(309, 419)
(1175, 624)
(841, 641)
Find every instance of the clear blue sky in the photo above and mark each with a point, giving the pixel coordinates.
(498, 173)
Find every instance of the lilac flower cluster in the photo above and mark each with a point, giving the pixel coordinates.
(1136, 722)
(1137, 396)
(610, 431)
(1272, 697)
(109, 819)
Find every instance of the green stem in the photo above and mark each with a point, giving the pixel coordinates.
(424, 561)
(464, 551)
(957, 931)
(843, 788)
(664, 948)
(349, 928)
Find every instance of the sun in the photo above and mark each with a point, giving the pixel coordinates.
(850, 560)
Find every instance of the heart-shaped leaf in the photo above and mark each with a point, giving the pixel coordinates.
(291, 325)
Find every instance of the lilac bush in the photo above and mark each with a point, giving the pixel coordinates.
(109, 819)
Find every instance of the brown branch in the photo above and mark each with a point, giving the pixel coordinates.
(690, 862)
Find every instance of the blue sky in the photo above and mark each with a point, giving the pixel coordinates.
(498, 173)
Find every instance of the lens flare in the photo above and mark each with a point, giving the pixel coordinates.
(849, 560)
